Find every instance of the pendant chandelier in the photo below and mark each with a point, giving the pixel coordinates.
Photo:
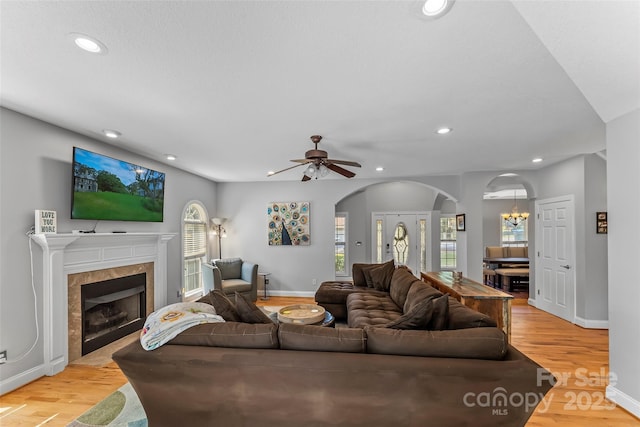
(515, 218)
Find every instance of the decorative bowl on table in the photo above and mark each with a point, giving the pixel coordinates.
(303, 314)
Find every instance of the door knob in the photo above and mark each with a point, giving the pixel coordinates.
(566, 266)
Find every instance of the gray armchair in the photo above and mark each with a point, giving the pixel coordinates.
(231, 275)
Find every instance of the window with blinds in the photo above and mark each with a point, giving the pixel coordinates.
(194, 248)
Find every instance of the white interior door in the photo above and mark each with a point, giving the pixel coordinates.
(555, 272)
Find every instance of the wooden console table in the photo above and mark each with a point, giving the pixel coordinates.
(490, 301)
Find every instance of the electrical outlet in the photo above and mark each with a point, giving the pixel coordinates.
(3, 357)
(314, 282)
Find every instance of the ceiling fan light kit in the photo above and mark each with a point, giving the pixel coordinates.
(319, 164)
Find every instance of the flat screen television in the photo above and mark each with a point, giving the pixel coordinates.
(105, 188)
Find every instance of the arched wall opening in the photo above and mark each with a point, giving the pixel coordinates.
(392, 196)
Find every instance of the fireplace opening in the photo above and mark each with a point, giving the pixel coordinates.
(112, 309)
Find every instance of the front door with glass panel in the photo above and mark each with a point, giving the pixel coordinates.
(402, 237)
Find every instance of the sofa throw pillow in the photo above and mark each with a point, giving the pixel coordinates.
(462, 317)
(206, 298)
(419, 291)
(381, 276)
(366, 273)
(224, 307)
(418, 318)
(249, 312)
(440, 315)
(357, 273)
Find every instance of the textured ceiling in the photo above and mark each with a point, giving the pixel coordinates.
(236, 88)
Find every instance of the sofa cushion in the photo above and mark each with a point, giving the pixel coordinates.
(336, 292)
(357, 273)
(440, 316)
(229, 286)
(462, 317)
(224, 307)
(230, 268)
(367, 308)
(317, 338)
(401, 282)
(249, 312)
(230, 334)
(419, 291)
(477, 343)
(381, 276)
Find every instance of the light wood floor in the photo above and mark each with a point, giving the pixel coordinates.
(559, 346)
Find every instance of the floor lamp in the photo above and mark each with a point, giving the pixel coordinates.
(219, 230)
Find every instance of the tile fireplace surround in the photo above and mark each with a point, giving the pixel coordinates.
(101, 255)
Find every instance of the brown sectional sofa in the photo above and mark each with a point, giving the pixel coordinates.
(265, 374)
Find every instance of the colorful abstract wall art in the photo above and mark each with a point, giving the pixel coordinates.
(288, 223)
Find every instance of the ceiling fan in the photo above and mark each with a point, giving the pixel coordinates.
(319, 164)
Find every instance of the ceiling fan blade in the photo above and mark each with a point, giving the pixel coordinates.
(305, 178)
(303, 161)
(341, 171)
(285, 169)
(344, 162)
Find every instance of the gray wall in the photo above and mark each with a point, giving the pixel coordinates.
(582, 176)
(491, 210)
(300, 270)
(623, 180)
(385, 197)
(35, 173)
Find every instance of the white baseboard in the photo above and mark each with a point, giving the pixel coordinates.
(306, 294)
(624, 400)
(591, 324)
(21, 379)
(532, 302)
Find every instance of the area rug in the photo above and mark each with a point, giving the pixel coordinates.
(122, 408)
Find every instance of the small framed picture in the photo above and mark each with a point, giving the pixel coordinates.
(601, 223)
(460, 222)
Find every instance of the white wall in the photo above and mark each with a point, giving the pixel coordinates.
(36, 173)
(623, 197)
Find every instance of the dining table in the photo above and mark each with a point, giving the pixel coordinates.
(505, 260)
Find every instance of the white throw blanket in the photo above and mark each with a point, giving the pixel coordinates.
(164, 324)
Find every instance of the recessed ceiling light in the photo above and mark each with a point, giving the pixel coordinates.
(379, 169)
(436, 8)
(443, 131)
(111, 133)
(537, 160)
(170, 157)
(89, 43)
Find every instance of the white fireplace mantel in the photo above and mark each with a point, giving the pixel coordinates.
(64, 254)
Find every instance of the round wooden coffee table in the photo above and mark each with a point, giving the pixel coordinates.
(306, 314)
